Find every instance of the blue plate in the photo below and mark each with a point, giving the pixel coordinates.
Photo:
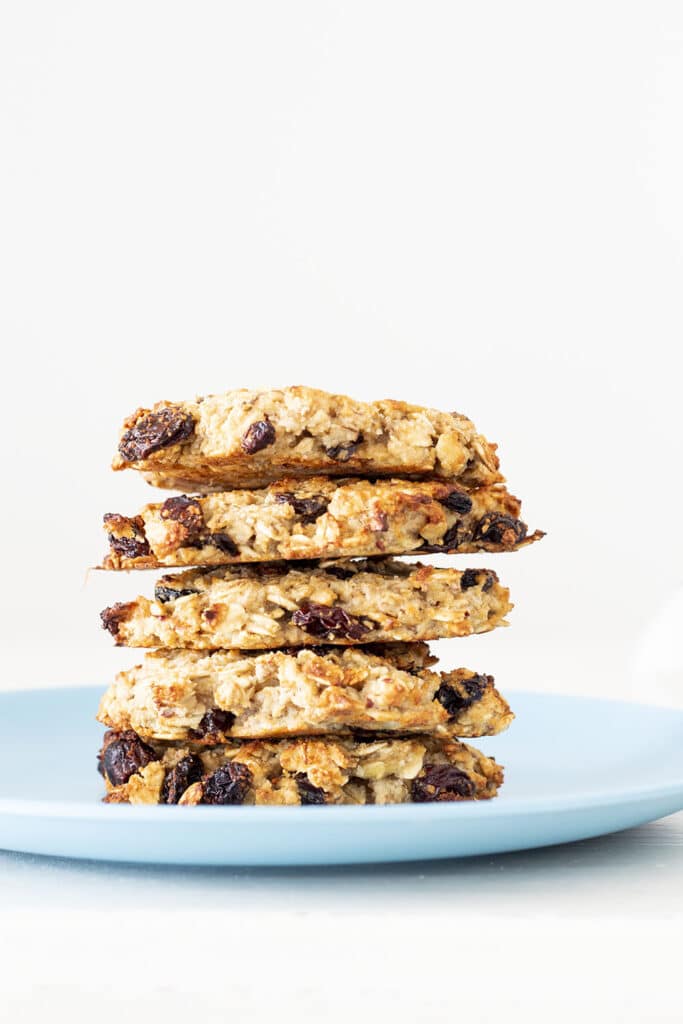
(575, 768)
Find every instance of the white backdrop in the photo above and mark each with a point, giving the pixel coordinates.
(472, 205)
(469, 206)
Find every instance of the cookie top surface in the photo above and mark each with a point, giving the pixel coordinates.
(248, 438)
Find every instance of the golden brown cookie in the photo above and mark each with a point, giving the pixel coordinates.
(249, 438)
(254, 607)
(317, 518)
(417, 769)
(212, 697)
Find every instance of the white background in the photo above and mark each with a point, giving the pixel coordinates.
(471, 206)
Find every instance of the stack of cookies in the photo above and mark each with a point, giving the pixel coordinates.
(290, 663)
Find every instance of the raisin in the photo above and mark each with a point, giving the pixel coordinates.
(450, 538)
(259, 435)
(163, 594)
(187, 512)
(130, 547)
(339, 572)
(228, 785)
(495, 528)
(328, 623)
(308, 793)
(124, 754)
(458, 501)
(156, 430)
(214, 721)
(343, 452)
(378, 736)
(223, 542)
(450, 699)
(454, 701)
(308, 508)
(476, 686)
(441, 782)
(471, 577)
(113, 616)
(294, 652)
(177, 779)
(449, 541)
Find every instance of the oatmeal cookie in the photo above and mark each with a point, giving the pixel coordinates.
(297, 604)
(381, 770)
(209, 698)
(316, 518)
(249, 438)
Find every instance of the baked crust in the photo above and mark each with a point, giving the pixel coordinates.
(317, 518)
(210, 698)
(385, 770)
(247, 438)
(295, 604)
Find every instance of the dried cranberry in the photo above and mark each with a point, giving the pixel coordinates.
(308, 508)
(213, 722)
(328, 623)
(343, 452)
(228, 785)
(156, 430)
(454, 701)
(442, 782)
(187, 512)
(124, 754)
(495, 528)
(458, 501)
(308, 793)
(223, 542)
(113, 616)
(259, 435)
(177, 780)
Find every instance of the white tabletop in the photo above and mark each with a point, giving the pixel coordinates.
(591, 928)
